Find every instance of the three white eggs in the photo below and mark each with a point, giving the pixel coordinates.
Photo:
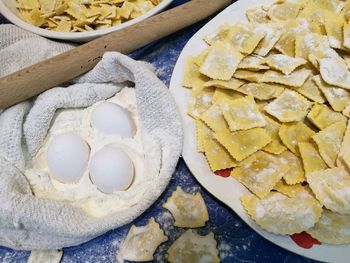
(110, 168)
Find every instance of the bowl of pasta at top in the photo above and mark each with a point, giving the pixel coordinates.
(78, 21)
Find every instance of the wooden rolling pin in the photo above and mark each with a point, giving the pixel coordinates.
(35, 79)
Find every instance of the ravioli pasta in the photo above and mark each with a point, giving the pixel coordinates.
(274, 109)
(81, 15)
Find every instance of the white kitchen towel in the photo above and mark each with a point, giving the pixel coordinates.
(28, 222)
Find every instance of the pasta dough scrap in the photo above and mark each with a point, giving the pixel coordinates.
(293, 133)
(332, 188)
(311, 91)
(322, 116)
(203, 134)
(200, 101)
(241, 144)
(141, 242)
(275, 146)
(245, 37)
(280, 214)
(338, 98)
(288, 107)
(295, 79)
(191, 247)
(192, 77)
(221, 61)
(260, 173)
(232, 83)
(262, 91)
(331, 5)
(257, 15)
(332, 228)
(295, 173)
(335, 72)
(284, 63)
(243, 114)
(188, 210)
(247, 75)
(45, 256)
(253, 63)
(312, 160)
(218, 35)
(329, 142)
(344, 153)
(288, 190)
(273, 33)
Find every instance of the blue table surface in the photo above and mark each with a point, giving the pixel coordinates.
(237, 242)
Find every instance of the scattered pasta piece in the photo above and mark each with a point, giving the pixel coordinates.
(312, 160)
(335, 72)
(188, 210)
(273, 33)
(295, 79)
(284, 63)
(243, 114)
(322, 116)
(241, 144)
(222, 96)
(262, 91)
(272, 128)
(338, 98)
(284, 11)
(332, 228)
(45, 256)
(293, 133)
(288, 107)
(221, 61)
(329, 142)
(260, 173)
(191, 247)
(141, 242)
(332, 188)
(295, 173)
(334, 28)
(280, 214)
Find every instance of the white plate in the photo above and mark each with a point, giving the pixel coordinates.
(9, 10)
(228, 190)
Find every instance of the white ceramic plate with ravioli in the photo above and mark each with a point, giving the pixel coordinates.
(228, 190)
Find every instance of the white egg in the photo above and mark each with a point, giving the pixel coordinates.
(110, 118)
(67, 157)
(111, 170)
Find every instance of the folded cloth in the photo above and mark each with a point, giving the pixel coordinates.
(28, 222)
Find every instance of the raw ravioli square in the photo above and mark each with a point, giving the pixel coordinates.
(243, 114)
(289, 107)
(241, 144)
(221, 61)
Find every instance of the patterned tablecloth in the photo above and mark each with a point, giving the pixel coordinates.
(237, 242)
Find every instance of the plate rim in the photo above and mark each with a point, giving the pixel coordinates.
(206, 178)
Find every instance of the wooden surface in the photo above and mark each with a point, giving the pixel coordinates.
(35, 79)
